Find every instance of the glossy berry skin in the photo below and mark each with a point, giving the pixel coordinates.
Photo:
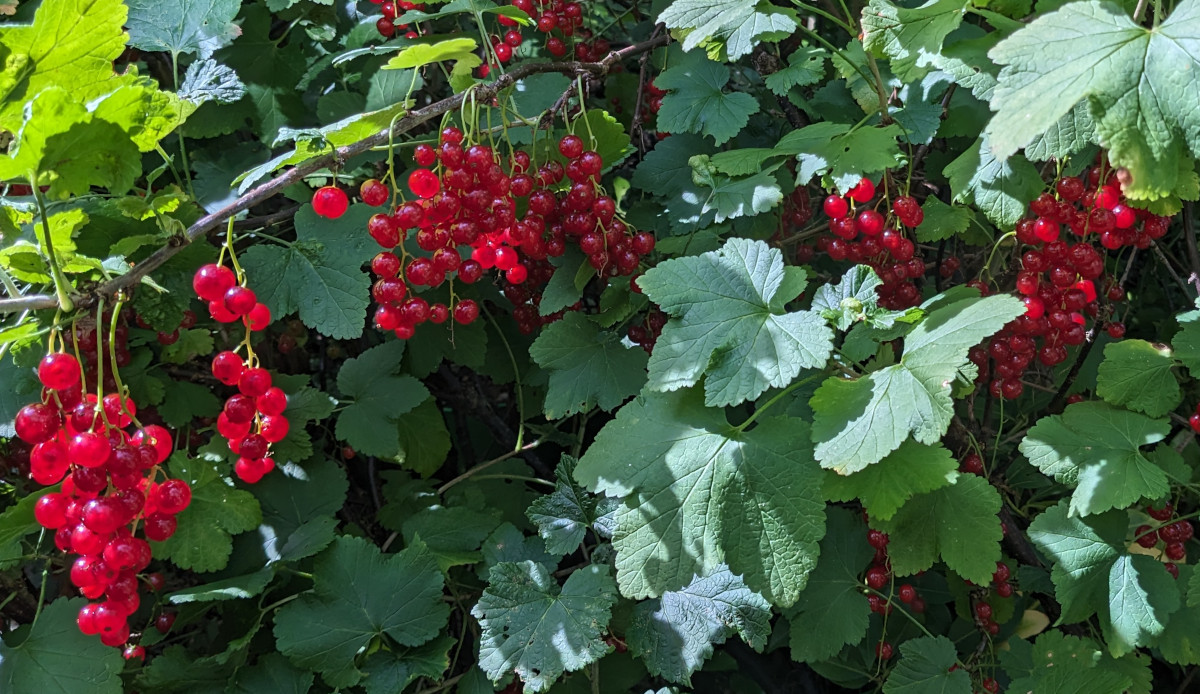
(877, 577)
(835, 207)
(424, 183)
(466, 311)
(570, 146)
(240, 300)
(59, 371)
(883, 651)
(330, 202)
(863, 192)
(212, 281)
(373, 192)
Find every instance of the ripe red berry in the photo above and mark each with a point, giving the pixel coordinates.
(165, 621)
(424, 183)
(1004, 590)
(883, 651)
(570, 146)
(330, 202)
(877, 539)
(983, 611)
(212, 281)
(835, 207)
(1161, 513)
(1002, 573)
(59, 371)
(425, 155)
(907, 593)
(466, 311)
(863, 192)
(877, 577)
(972, 464)
(373, 192)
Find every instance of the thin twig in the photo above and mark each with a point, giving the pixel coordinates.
(256, 195)
(1158, 253)
(1189, 236)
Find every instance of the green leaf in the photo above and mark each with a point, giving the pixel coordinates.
(203, 539)
(957, 522)
(182, 26)
(742, 197)
(453, 534)
(69, 44)
(911, 469)
(320, 275)
(207, 80)
(1137, 375)
(225, 589)
(858, 422)
(369, 424)
(697, 102)
(185, 401)
(426, 53)
(562, 290)
(563, 516)
(843, 153)
(1070, 663)
(832, 611)
(358, 595)
(1180, 641)
(272, 673)
(1096, 448)
(1081, 550)
(697, 493)
(1001, 189)
(737, 23)
(70, 148)
(854, 299)
(728, 321)
(424, 439)
(532, 627)
(941, 221)
(924, 668)
(675, 634)
(910, 38)
(1141, 598)
(55, 657)
(191, 344)
(588, 367)
(806, 65)
(298, 507)
(392, 672)
(1138, 83)
(1068, 135)
(147, 115)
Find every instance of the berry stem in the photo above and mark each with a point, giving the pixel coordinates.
(62, 287)
(516, 378)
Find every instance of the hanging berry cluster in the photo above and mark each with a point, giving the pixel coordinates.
(252, 419)
(868, 237)
(468, 198)
(109, 465)
(387, 26)
(558, 20)
(1173, 534)
(1062, 278)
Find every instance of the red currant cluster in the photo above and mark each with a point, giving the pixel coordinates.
(386, 25)
(555, 18)
(228, 299)
(252, 419)
(869, 237)
(1058, 278)
(1174, 535)
(983, 618)
(1000, 582)
(645, 334)
(108, 488)
(466, 198)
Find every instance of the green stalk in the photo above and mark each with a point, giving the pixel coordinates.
(62, 287)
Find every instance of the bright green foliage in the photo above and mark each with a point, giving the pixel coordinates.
(806, 65)
(202, 541)
(909, 37)
(842, 153)
(207, 80)
(360, 595)
(225, 589)
(942, 221)
(1138, 84)
(854, 300)
(697, 493)
(1001, 189)
(1137, 375)
(957, 522)
(1069, 134)
(1180, 641)
(729, 322)
(54, 657)
(736, 197)
(738, 24)
(563, 516)
(320, 275)
(676, 632)
(884, 487)
(1133, 594)
(539, 630)
(71, 43)
(588, 367)
(858, 422)
(182, 26)
(1059, 661)
(1096, 448)
(832, 611)
(369, 424)
(698, 103)
(925, 667)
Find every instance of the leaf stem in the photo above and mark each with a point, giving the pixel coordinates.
(60, 280)
(776, 398)
(41, 589)
(516, 378)
(483, 466)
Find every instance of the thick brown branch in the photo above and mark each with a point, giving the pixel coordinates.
(482, 93)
